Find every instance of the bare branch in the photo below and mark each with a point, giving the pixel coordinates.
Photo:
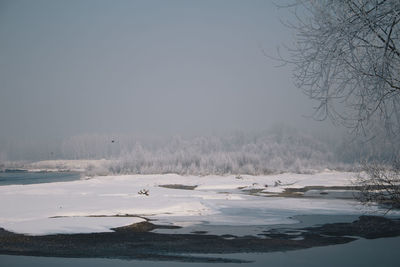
(346, 59)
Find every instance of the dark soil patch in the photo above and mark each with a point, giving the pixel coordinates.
(136, 242)
(299, 192)
(199, 232)
(142, 227)
(253, 191)
(179, 186)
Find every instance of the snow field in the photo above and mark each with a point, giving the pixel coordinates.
(69, 207)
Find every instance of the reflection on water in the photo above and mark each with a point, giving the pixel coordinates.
(366, 253)
(22, 177)
(288, 220)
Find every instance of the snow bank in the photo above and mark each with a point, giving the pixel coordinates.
(68, 225)
(216, 200)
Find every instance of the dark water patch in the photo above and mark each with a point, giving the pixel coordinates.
(14, 170)
(199, 232)
(24, 177)
(150, 246)
(366, 226)
(362, 252)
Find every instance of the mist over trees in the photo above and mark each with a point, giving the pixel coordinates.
(279, 149)
(259, 153)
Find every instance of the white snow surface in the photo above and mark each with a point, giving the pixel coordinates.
(65, 207)
(67, 225)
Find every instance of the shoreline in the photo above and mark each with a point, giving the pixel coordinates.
(137, 241)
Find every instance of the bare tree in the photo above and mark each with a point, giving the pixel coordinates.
(347, 58)
(380, 184)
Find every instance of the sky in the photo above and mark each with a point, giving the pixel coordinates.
(144, 67)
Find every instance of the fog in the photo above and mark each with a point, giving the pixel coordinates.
(140, 68)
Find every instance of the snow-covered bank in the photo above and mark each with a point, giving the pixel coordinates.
(221, 200)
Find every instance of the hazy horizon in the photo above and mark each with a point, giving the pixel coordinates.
(159, 68)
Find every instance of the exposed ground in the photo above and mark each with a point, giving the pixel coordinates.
(138, 242)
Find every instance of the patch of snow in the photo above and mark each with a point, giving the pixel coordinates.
(217, 200)
(69, 225)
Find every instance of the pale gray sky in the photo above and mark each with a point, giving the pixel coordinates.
(159, 67)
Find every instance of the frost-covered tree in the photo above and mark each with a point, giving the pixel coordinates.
(380, 184)
(347, 57)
